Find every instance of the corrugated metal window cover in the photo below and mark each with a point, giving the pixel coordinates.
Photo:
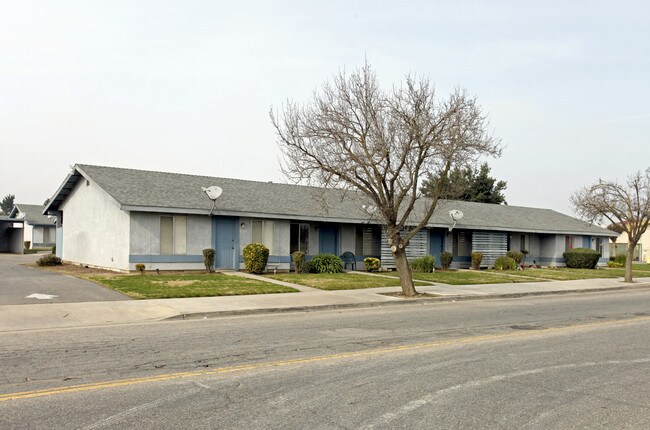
(417, 247)
(491, 244)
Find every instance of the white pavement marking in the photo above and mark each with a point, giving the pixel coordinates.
(41, 296)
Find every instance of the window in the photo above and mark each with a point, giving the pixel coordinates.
(461, 244)
(173, 235)
(47, 235)
(598, 245)
(299, 237)
(522, 242)
(368, 241)
(568, 243)
(263, 233)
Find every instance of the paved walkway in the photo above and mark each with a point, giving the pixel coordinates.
(60, 315)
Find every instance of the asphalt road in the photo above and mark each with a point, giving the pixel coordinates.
(578, 361)
(18, 283)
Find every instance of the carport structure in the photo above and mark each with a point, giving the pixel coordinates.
(11, 235)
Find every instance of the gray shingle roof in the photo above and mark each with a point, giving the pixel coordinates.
(157, 191)
(33, 214)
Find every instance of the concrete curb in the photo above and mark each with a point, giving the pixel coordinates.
(418, 301)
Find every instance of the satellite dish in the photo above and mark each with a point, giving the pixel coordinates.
(455, 214)
(213, 192)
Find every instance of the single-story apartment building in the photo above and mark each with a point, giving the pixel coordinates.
(116, 218)
(39, 230)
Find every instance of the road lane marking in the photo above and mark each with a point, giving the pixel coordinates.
(308, 360)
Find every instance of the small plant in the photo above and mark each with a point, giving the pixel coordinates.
(140, 268)
(517, 256)
(614, 264)
(307, 267)
(54, 249)
(208, 259)
(27, 244)
(371, 264)
(505, 263)
(445, 259)
(298, 258)
(581, 258)
(49, 260)
(477, 258)
(621, 259)
(326, 263)
(256, 256)
(423, 264)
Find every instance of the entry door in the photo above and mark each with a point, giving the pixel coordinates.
(225, 243)
(329, 239)
(436, 245)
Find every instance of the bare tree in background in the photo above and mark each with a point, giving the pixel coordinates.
(353, 135)
(625, 205)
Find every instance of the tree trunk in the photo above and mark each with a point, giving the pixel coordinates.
(404, 272)
(628, 261)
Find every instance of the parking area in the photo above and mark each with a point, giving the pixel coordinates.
(27, 285)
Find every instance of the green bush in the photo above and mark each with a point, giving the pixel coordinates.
(477, 257)
(445, 259)
(621, 259)
(307, 267)
(326, 263)
(581, 258)
(140, 268)
(208, 259)
(614, 264)
(256, 256)
(298, 258)
(29, 251)
(54, 249)
(505, 263)
(517, 256)
(49, 260)
(371, 264)
(423, 264)
(27, 244)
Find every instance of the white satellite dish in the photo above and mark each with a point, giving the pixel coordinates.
(213, 192)
(455, 215)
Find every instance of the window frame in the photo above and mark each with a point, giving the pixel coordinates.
(176, 243)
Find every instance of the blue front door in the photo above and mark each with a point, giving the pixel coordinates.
(226, 243)
(328, 239)
(436, 244)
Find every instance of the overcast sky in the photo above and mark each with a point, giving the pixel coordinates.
(186, 86)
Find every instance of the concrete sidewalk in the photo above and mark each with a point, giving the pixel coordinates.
(61, 315)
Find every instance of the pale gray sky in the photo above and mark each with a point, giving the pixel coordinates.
(186, 86)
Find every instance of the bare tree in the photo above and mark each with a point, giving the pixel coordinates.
(625, 205)
(353, 135)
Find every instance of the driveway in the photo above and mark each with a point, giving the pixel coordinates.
(17, 282)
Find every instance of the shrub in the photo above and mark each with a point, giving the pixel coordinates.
(54, 249)
(581, 258)
(208, 259)
(371, 264)
(445, 259)
(140, 268)
(326, 263)
(307, 267)
(614, 264)
(621, 259)
(477, 257)
(256, 256)
(505, 263)
(423, 264)
(27, 244)
(298, 258)
(517, 256)
(49, 260)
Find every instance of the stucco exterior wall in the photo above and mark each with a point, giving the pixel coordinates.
(279, 257)
(95, 229)
(144, 242)
(645, 244)
(28, 234)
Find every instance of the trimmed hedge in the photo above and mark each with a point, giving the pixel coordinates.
(423, 264)
(298, 258)
(256, 256)
(140, 268)
(581, 258)
(505, 263)
(49, 260)
(371, 264)
(208, 259)
(517, 256)
(477, 257)
(326, 263)
(445, 259)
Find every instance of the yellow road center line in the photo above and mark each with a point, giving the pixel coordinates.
(305, 360)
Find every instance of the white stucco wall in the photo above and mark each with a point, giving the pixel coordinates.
(281, 241)
(28, 234)
(95, 229)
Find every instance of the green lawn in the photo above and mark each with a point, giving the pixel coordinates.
(566, 274)
(467, 277)
(337, 281)
(188, 285)
(641, 266)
